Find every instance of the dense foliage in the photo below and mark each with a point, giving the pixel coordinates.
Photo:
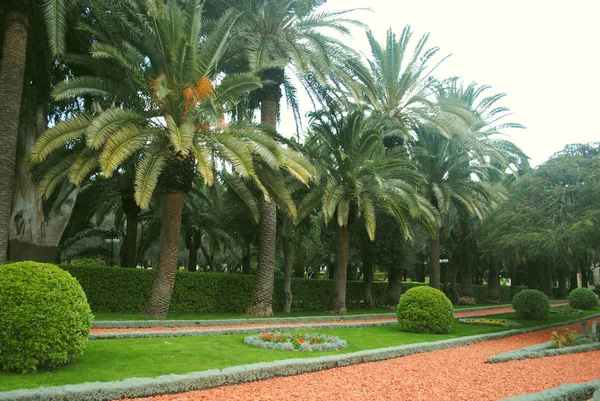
(45, 317)
(531, 304)
(583, 298)
(425, 310)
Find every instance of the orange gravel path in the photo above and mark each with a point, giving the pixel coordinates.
(451, 374)
(303, 324)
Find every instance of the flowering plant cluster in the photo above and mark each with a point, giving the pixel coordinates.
(565, 310)
(490, 322)
(296, 341)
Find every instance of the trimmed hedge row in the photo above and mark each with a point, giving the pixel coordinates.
(125, 290)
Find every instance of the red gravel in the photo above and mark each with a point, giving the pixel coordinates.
(451, 374)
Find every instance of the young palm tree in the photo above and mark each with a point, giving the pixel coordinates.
(356, 177)
(278, 37)
(170, 66)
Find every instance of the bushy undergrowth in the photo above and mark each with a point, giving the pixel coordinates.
(425, 310)
(44, 316)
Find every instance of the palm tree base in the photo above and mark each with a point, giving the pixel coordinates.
(262, 310)
(340, 310)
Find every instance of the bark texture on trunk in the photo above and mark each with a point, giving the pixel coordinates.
(35, 235)
(262, 298)
(466, 270)
(494, 281)
(337, 302)
(393, 290)
(164, 277)
(246, 266)
(287, 273)
(368, 274)
(12, 72)
(532, 275)
(434, 260)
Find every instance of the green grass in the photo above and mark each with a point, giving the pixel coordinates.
(106, 360)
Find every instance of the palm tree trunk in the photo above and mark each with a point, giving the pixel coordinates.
(494, 281)
(246, 268)
(337, 302)
(546, 269)
(513, 279)
(164, 277)
(393, 290)
(193, 255)
(562, 282)
(532, 280)
(368, 275)
(129, 247)
(287, 274)
(12, 71)
(434, 260)
(573, 279)
(466, 270)
(262, 298)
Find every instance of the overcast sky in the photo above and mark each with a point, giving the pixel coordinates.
(543, 54)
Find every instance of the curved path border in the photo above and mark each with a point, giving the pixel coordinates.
(144, 387)
(150, 329)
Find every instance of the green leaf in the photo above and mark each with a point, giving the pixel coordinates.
(147, 175)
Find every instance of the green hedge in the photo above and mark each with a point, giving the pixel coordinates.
(481, 293)
(117, 289)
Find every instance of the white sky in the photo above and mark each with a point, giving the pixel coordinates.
(543, 54)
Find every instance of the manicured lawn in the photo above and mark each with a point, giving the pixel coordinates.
(106, 360)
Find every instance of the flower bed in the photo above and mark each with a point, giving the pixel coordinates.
(482, 321)
(296, 341)
(565, 310)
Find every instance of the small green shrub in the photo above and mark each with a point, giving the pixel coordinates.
(583, 298)
(425, 310)
(44, 316)
(566, 340)
(531, 304)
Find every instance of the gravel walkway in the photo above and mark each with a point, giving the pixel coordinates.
(303, 324)
(451, 374)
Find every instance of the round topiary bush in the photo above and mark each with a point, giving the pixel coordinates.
(425, 310)
(44, 316)
(531, 304)
(583, 298)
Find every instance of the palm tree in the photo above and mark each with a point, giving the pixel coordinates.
(169, 64)
(355, 177)
(17, 21)
(399, 87)
(276, 35)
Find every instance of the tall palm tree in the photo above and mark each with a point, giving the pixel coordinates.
(17, 21)
(356, 177)
(169, 63)
(279, 36)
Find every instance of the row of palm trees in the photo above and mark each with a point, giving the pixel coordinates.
(167, 91)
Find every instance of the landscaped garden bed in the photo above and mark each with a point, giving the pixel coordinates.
(482, 321)
(565, 310)
(296, 341)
